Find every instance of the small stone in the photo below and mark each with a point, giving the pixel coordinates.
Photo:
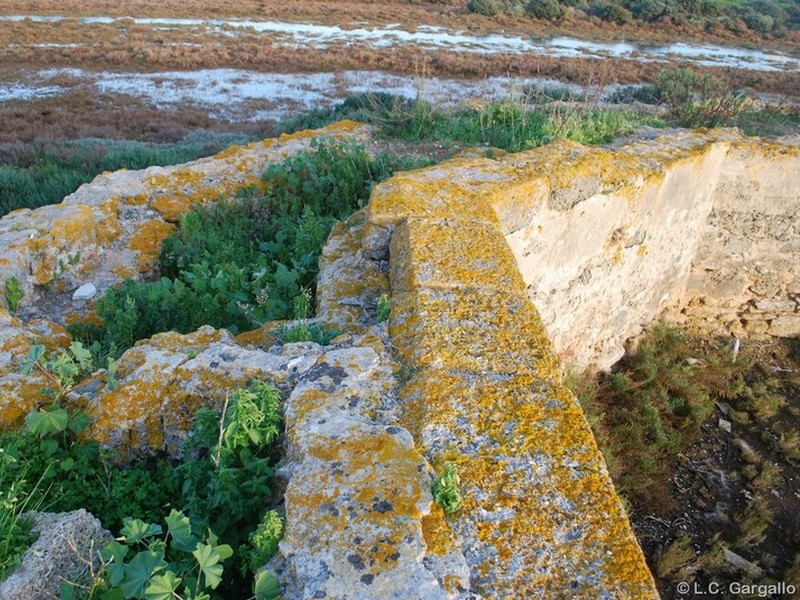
(741, 563)
(785, 325)
(725, 425)
(86, 292)
(724, 408)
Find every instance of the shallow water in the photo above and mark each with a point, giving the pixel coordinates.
(439, 38)
(240, 95)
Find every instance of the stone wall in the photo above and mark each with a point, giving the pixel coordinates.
(700, 225)
(540, 518)
(598, 242)
(745, 277)
(113, 227)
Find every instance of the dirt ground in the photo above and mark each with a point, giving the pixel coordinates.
(735, 495)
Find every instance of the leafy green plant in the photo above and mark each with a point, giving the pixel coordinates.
(68, 370)
(226, 484)
(13, 294)
(240, 263)
(263, 542)
(446, 492)
(307, 332)
(142, 565)
(383, 308)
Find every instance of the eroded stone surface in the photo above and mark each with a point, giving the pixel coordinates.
(357, 490)
(20, 393)
(67, 543)
(163, 381)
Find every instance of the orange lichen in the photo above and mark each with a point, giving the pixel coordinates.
(439, 537)
(487, 372)
(263, 337)
(147, 242)
(171, 206)
(341, 127)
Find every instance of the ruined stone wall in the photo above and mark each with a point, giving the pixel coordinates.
(540, 518)
(598, 242)
(703, 225)
(745, 277)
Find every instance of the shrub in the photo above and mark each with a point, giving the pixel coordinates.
(487, 8)
(615, 13)
(550, 10)
(646, 94)
(699, 101)
(648, 10)
(240, 263)
(651, 407)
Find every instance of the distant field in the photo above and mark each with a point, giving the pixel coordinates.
(585, 19)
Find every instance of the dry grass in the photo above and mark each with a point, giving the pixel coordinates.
(126, 46)
(450, 13)
(79, 114)
(675, 557)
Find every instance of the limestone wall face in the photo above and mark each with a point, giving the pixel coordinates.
(704, 226)
(745, 277)
(600, 266)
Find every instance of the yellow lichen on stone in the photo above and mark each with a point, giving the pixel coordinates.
(263, 337)
(147, 242)
(108, 226)
(340, 127)
(486, 395)
(447, 254)
(172, 205)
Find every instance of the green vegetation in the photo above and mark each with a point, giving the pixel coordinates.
(225, 486)
(141, 565)
(771, 17)
(651, 407)
(16, 498)
(699, 101)
(238, 264)
(307, 332)
(13, 294)
(42, 173)
(647, 416)
(263, 542)
(383, 309)
(446, 492)
(511, 125)
(222, 486)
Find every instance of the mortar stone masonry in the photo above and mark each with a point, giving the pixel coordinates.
(501, 273)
